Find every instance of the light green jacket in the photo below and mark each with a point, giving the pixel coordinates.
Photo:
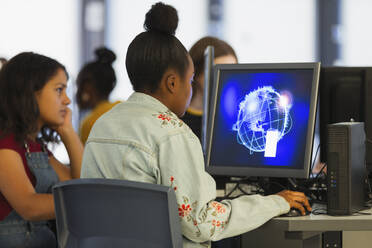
(142, 140)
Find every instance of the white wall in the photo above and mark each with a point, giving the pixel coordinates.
(356, 33)
(259, 30)
(264, 31)
(48, 27)
(125, 20)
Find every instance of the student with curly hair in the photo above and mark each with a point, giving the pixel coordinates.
(33, 112)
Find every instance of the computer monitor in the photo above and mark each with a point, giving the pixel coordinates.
(346, 93)
(208, 88)
(263, 119)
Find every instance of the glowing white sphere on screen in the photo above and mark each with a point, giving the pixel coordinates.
(262, 110)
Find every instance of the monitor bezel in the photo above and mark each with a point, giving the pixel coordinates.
(208, 88)
(266, 172)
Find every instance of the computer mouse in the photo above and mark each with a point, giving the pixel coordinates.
(293, 212)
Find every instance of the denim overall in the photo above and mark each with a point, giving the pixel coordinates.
(17, 232)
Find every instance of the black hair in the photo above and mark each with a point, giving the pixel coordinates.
(20, 78)
(221, 48)
(154, 51)
(99, 74)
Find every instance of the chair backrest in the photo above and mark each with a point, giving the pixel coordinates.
(116, 213)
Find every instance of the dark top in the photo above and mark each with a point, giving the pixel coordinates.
(193, 119)
(9, 142)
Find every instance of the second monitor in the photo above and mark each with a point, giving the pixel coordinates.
(262, 120)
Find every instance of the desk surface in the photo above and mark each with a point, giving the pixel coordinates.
(304, 231)
(356, 222)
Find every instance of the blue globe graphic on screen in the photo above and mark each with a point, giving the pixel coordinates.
(262, 110)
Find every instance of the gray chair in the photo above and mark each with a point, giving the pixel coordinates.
(116, 213)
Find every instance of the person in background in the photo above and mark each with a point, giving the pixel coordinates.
(95, 82)
(144, 140)
(223, 54)
(33, 112)
(2, 62)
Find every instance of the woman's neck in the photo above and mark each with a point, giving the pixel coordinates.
(197, 101)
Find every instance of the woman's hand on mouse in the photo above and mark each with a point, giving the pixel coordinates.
(296, 200)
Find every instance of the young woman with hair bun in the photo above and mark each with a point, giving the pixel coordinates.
(95, 82)
(143, 139)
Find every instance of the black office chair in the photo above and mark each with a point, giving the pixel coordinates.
(116, 213)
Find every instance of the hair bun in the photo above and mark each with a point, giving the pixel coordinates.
(105, 55)
(161, 18)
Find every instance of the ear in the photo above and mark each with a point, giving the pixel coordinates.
(171, 81)
(37, 95)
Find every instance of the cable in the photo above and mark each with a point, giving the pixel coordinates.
(313, 163)
(319, 209)
(293, 183)
(317, 180)
(242, 190)
(238, 186)
(265, 184)
(276, 183)
(319, 212)
(369, 140)
(321, 170)
(235, 187)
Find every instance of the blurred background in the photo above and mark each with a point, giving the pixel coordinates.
(334, 32)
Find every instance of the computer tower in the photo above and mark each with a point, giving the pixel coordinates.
(346, 168)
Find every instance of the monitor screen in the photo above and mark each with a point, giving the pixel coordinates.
(263, 119)
(346, 93)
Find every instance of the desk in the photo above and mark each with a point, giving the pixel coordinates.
(304, 231)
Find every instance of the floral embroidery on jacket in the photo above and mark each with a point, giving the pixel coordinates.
(187, 212)
(184, 210)
(218, 207)
(215, 224)
(172, 180)
(168, 117)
